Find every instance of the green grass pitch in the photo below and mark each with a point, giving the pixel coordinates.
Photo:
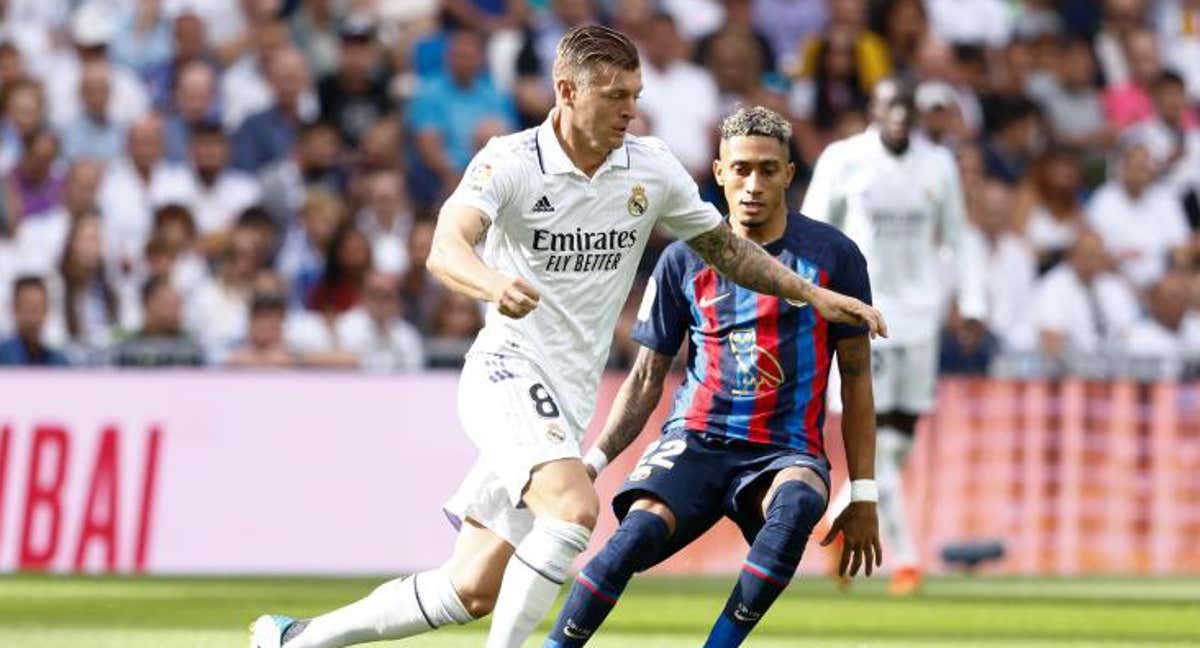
(60, 612)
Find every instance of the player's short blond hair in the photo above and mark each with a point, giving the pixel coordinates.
(582, 51)
(757, 120)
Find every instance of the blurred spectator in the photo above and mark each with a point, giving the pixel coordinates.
(24, 110)
(175, 250)
(314, 31)
(85, 310)
(216, 313)
(1015, 138)
(36, 183)
(92, 134)
(134, 185)
(315, 164)
(29, 304)
(267, 136)
(386, 219)
(830, 86)
(457, 318)
(376, 332)
(787, 23)
(978, 22)
(739, 18)
(1178, 24)
(1173, 140)
(447, 110)
(1011, 269)
(1170, 330)
(40, 240)
(12, 65)
(1128, 102)
(245, 89)
(941, 115)
(419, 291)
(1070, 100)
(485, 16)
(221, 192)
(738, 77)
(355, 95)
(1049, 210)
(347, 261)
(189, 46)
(301, 260)
(161, 341)
(1079, 308)
(303, 330)
(93, 29)
(1141, 222)
(1121, 18)
(194, 106)
(533, 93)
(632, 17)
(905, 26)
(264, 346)
(146, 41)
(679, 97)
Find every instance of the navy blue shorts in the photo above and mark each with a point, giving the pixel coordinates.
(702, 477)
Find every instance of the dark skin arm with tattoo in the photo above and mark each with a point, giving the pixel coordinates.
(636, 400)
(752, 267)
(858, 524)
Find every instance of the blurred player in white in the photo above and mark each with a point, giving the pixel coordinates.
(563, 211)
(898, 196)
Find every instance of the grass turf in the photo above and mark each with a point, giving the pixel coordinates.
(54, 612)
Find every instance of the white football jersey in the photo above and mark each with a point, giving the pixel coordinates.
(578, 241)
(899, 210)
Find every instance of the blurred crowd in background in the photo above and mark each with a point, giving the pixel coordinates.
(255, 182)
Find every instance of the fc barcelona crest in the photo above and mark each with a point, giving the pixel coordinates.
(638, 202)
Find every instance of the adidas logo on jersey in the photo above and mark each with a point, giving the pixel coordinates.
(543, 205)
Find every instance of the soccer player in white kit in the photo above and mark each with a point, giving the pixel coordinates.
(899, 197)
(563, 211)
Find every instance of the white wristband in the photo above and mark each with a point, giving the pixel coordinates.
(864, 490)
(596, 459)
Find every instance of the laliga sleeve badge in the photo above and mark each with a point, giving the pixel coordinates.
(479, 176)
(555, 433)
(638, 202)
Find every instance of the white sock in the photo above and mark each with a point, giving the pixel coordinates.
(399, 608)
(891, 452)
(532, 579)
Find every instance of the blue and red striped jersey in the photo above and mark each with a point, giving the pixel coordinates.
(757, 365)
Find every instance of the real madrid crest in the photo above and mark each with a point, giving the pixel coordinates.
(638, 202)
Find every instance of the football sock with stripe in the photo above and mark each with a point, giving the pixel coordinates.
(532, 579)
(397, 609)
(636, 545)
(795, 509)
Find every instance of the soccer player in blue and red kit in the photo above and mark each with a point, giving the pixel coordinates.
(744, 439)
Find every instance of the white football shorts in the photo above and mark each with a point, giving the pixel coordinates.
(510, 412)
(904, 376)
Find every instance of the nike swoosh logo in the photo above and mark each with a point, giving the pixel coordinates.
(737, 614)
(797, 303)
(705, 302)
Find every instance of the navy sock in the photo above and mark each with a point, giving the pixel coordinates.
(637, 544)
(794, 510)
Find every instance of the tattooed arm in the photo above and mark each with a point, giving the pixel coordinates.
(750, 266)
(636, 400)
(453, 260)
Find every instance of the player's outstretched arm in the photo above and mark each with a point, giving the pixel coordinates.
(635, 401)
(749, 265)
(858, 523)
(453, 260)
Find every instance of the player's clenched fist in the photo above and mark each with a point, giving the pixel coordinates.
(516, 298)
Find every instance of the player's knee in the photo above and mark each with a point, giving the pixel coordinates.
(795, 509)
(477, 597)
(657, 507)
(580, 507)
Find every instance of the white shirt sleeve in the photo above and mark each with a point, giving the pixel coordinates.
(972, 294)
(491, 181)
(1051, 304)
(823, 201)
(686, 214)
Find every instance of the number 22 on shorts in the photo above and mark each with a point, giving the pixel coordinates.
(659, 454)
